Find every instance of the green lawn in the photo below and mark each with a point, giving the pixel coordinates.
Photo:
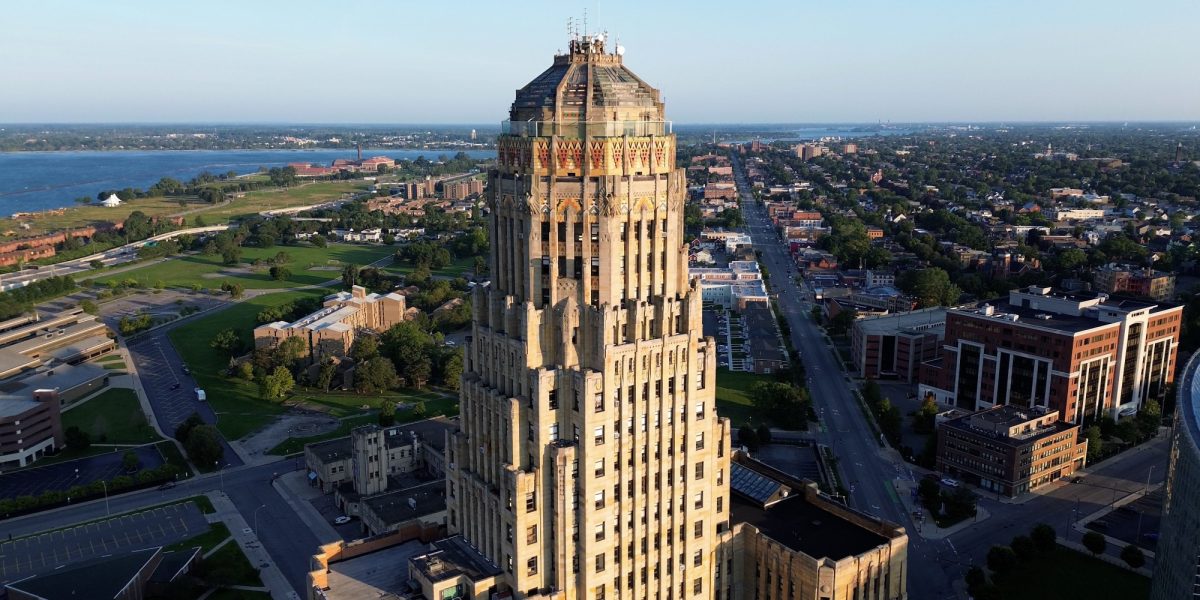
(733, 395)
(456, 268)
(258, 201)
(440, 406)
(345, 404)
(230, 561)
(309, 266)
(1070, 575)
(208, 540)
(113, 417)
(239, 410)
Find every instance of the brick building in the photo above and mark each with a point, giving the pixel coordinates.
(1119, 279)
(1081, 354)
(894, 346)
(1010, 450)
(331, 331)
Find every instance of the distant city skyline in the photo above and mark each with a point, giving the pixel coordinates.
(369, 62)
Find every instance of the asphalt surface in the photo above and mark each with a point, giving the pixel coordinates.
(866, 473)
(61, 476)
(171, 391)
(24, 557)
(283, 534)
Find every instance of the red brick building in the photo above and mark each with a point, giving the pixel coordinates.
(1084, 355)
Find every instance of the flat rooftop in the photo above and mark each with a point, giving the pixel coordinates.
(926, 319)
(452, 557)
(804, 527)
(380, 574)
(394, 506)
(1003, 312)
(98, 578)
(331, 450)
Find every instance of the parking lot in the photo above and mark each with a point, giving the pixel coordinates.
(62, 476)
(1133, 523)
(32, 555)
(171, 391)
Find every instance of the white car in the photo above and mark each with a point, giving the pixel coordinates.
(342, 520)
(946, 481)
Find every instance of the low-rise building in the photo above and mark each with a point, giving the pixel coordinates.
(1010, 450)
(416, 447)
(1124, 279)
(894, 346)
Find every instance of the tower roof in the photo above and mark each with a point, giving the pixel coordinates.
(587, 84)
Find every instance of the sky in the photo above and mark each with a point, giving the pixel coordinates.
(797, 61)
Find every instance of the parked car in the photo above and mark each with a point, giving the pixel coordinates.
(948, 482)
(166, 486)
(341, 520)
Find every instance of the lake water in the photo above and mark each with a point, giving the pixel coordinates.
(32, 181)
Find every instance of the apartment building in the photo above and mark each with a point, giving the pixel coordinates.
(331, 331)
(1124, 279)
(1082, 354)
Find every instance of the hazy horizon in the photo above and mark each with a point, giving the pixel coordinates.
(362, 62)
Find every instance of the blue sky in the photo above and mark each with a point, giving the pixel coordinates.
(717, 62)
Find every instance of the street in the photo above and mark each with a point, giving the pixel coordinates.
(866, 469)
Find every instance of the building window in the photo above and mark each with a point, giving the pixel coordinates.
(554, 432)
(598, 499)
(720, 503)
(697, 586)
(599, 595)
(600, 563)
(531, 565)
(599, 530)
(699, 411)
(553, 399)
(508, 533)
(700, 441)
(530, 502)
(698, 529)
(598, 434)
(697, 558)
(599, 468)
(699, 500)
(700, 470)
(530, 534)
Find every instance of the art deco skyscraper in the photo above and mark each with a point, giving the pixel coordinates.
(590, 462)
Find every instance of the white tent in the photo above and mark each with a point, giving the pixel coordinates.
(111, 201)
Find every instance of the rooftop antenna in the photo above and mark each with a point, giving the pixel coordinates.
(585, 29)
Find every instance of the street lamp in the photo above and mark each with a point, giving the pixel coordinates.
(1146, 488)
(107, 512)
(220, 473)
(256, 519)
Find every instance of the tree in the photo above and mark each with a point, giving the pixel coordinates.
(130, 462)
(276, 384)
(96, 263)
(280, 273)
(960, 503)
(204, 445)
(419, 408)
(1149, 419)
(926, 417)
(325, 374)
(77, 440)
(783, 404)
(235, 289)
(452, 371)
(1024, 547)
(365, 347)
(1095, 443)
(419, 372)
(1095, 542)
(748, 437)
(318, 241)
(226, 341)
(246, 370)
(764, 434)
(89, 307)
(931, 287)
(231, 255)
(843, 321)
(187, 426)
(1001, 560)
(350, 275)
(387, 413)
(930, 494)
(1128, 431)
(1044, 538)
(375, 375)
(1133, 556)
(975, 579)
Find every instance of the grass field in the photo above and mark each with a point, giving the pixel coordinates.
(113, 417)
(733, 395)
(258, 201)
(455, 269)
(309, 266)
(217, 532)
(440, 406)
(345, 404)
(252, 203)
(1070, 575)
(240, 411)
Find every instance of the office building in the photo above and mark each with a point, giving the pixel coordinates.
(590, 461)
(894, 346)
(1010, 450)
(1123, 279)
(1177, 555)
(1083, 355)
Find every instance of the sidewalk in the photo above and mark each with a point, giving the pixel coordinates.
(294, 488)
(244, 535)
(144, 400)
(925, 527)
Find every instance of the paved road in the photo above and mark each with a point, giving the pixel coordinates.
(61, 476)
(24, 557)
(867, 474)
(283, 534)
